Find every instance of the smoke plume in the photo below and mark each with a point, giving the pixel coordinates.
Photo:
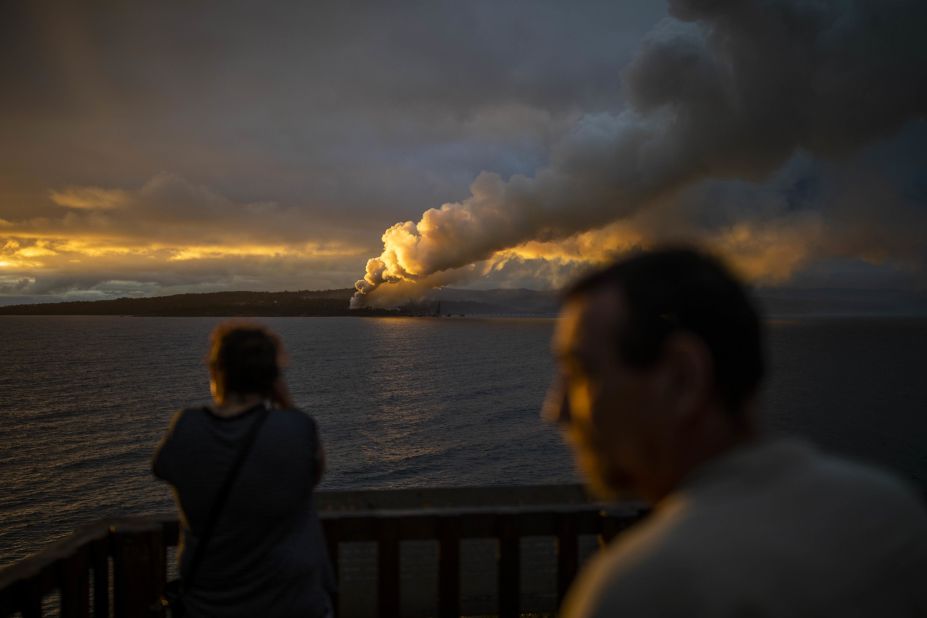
(723, 89)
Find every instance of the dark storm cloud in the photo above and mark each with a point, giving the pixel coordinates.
(760, 79)
(366, 106)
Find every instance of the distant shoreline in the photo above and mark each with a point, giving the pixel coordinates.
(454, 302)
(305, 303)
(210, 304)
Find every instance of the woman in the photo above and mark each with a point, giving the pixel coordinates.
(265, 555)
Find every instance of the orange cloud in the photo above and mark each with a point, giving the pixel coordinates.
(90, 198)
(765, 252)
(168, 232)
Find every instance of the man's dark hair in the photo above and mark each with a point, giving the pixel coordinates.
(682, 289)
(247, 356)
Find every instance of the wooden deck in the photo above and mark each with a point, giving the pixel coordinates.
(117, 568)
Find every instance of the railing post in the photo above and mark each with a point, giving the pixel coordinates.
(509, 567)
(138, 569)
(609, 527)
(332, 541)
(29, 595)
(612, 524)
(388, 568)
(449, 566)
(99, 559)
(567, 553)
(74, 582)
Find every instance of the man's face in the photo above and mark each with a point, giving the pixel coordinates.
(610, 412)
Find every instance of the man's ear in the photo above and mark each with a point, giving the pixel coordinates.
(688, 374)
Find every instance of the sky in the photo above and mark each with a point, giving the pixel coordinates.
(165, 147)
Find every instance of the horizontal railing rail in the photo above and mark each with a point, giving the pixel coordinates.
(119, 568)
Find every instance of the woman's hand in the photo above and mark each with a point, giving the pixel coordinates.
(319, 466)
(280, 396)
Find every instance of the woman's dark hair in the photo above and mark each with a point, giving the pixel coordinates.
(246, 356)
(682, 289)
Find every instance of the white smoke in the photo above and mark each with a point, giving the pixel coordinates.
(724, 89)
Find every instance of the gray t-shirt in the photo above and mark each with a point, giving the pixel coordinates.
(267, 555)
(775, 530)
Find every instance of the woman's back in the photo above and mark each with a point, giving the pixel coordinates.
(267, 553)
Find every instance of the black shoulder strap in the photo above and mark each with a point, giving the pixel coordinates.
(223, 494)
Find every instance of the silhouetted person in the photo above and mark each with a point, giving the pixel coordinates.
(660, 360)
(266, 555)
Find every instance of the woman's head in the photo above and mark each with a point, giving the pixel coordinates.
(244, 359)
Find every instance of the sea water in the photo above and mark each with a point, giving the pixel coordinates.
(401, 402)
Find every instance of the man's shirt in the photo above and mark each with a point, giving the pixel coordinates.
(771, 529)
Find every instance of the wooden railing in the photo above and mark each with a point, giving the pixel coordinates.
(119, 568)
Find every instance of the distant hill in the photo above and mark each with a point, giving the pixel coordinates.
(309, 303)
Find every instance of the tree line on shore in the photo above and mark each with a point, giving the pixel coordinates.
(300, 303)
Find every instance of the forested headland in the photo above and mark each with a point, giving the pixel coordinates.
(301, 303)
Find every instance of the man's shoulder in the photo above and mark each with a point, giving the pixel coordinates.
(790, 514)
(862, 477)
(788, 473)
(802, 498)
(831, 481)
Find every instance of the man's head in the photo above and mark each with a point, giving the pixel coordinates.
(660, 358)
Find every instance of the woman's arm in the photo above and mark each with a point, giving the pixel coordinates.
(280, 396)
(163, 462)
(319, 465)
